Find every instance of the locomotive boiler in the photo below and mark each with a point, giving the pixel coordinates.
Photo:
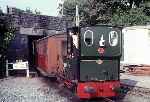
(90, 67)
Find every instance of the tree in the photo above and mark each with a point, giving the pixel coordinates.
(93, 11)
(146, 6)
(6, 35)
(116, 12)
(134, 16)
(136, 3)
(140, 15)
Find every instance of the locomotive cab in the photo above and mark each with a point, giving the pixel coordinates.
(94, 60)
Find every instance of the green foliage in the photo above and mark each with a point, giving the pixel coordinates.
(93, 11)
(134, 16)
(6, 33)
(116, 12)
(85, 10)
(70, 7)
(146, 6)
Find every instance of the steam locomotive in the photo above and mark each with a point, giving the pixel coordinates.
(86, 60)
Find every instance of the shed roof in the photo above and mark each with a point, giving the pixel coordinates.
(138, 27)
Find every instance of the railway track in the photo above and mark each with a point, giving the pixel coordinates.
(108, 100)
(104, 99)
(136, 89)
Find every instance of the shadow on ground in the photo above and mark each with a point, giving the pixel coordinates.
(62, 91)
(125, 89)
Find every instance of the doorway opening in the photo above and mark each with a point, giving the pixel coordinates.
(32, 52)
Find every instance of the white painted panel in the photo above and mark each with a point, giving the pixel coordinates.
(31, 31)
(20, 65)
(136, 46)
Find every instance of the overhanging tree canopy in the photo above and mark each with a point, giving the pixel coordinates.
(6, 33)
(117, 12)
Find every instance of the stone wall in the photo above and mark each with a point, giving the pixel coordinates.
(37, 23)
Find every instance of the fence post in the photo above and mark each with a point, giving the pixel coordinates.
(7, 73)
(27, 70)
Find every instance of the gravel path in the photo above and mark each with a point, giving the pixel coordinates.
(38, 89)
(21, 89)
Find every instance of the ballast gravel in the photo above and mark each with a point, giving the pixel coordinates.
(40, 89)
(37, 89)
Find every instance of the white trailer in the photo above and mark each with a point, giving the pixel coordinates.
(136, 45)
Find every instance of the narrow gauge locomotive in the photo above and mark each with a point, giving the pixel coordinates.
(88, 63)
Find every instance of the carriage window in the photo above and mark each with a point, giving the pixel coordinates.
(88, 38)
